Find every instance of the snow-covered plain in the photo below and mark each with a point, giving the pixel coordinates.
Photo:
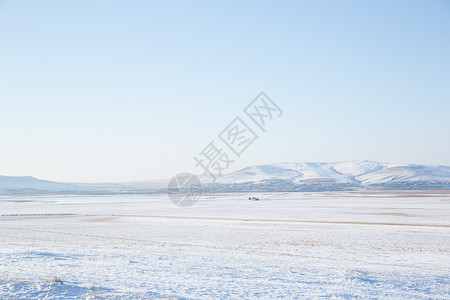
(386, 245)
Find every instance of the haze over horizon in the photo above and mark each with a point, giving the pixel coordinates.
(356, 167)
(112, 91)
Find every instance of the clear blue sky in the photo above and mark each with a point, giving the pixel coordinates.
(132, 90)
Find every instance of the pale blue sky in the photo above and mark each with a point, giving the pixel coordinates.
(132, 90)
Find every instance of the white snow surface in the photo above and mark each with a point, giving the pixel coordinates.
(339, 245)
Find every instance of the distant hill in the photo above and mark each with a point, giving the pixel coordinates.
(333, 176)
(278, 177)
(10, 185)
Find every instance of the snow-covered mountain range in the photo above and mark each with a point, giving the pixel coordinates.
(13, 185)
(278, 177)
(322, 176)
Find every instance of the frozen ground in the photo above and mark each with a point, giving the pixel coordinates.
(288, 245)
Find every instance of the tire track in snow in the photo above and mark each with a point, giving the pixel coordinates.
(233, 219)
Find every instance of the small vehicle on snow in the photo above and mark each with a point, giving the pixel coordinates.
(253, 199)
